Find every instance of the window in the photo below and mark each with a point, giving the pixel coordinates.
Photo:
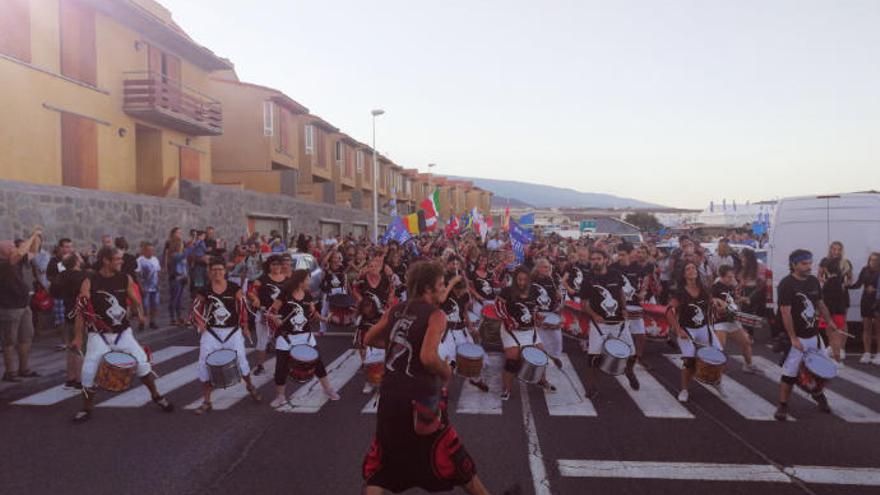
(268, 119)
(79, 55)
(360, 161)
(339, 153)
(330, 229)
(310, 139)
(15, 24)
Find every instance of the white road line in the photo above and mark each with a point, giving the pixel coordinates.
(58, 394)
(310, 397)
(842, 407)
(700, 471)
(742, 400)
(653, 398)
(372, 406)
(670, 470)
(540, 482)
(473, 400)
(166, 384)
(224, 398)
(570, 398)
(860, 378)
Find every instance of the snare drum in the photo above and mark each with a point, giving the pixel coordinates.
(374, 365)
(750, 320)
(223, 368)
(550, 321)
(816, 369)
(116, 371)
(534, 364)
(303, 359)
(615, 354)
(469, 360)
(709, 365)
(490, 327)
(634, 312)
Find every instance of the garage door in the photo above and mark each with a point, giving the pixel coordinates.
(265, 225)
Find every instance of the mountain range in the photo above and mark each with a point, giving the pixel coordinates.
(542, 196)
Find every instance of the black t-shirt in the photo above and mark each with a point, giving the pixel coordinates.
(54, 268)
(520, 309)
(405, 375)
(13, 290)
(129, 265)
(693, 312)
(456, 310)
(269, 290)
(333, 280)
(605, 294)
(296, 314)
(546, 293)
(577, 273)
(378, 295)
(66, 287)
(803, 297)
(110, 300)
(483, 285)
(834, 291)
(633, 275)
(726, 293)
(221, 310)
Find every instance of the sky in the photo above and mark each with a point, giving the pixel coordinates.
(674, 102)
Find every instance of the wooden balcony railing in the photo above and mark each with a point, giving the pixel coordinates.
(155, 98)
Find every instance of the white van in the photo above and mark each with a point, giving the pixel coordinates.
(814, 222)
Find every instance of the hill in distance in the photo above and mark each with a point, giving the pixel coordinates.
(542, 196)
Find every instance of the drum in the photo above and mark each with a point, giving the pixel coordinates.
(303, 359)
(341, 310)
(751, 321)
(490, 328)
(816, 369)
(469, 360)
(550, 321)
(223, 368)
(374, 365)
(615, 354)
(341, 301)
(710, 365)
(116, 371)
(634, 312)
(534, 363)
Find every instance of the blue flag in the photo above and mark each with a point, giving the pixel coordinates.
(396, 231)
(519, 239)
(527, 219)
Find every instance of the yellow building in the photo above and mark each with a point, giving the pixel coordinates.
(105, 94)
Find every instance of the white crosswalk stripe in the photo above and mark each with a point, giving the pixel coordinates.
(372, 405)
(742, 400)
(860, 378)
(58, 394)
(840, 406)
(224, 398)
(570, 398)
(473, 400)
(140, 396)
(653, 398)
(310, 397)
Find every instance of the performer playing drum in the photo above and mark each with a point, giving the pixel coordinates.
(517, 307)
(800, 304)
(415, 445)
(263, 292)
(293, 315)
(333, 282)
(635, 288)
(688, 314)
(221, 318)
(102, 310)
(455, 301)
(724, 292)
(603, 300)
(545, 285)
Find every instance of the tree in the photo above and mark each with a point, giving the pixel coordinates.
(645, 221)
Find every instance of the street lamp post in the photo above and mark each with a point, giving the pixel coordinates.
(375, 113)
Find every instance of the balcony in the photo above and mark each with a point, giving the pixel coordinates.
(154, 98)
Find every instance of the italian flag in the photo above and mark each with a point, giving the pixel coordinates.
(431, 205)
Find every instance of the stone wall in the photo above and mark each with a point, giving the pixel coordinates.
(85, 215)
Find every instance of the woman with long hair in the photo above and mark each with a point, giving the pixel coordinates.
(835, 275)
(868, 281)
(174, 258)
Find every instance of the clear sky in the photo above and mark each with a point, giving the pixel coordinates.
(671, 101)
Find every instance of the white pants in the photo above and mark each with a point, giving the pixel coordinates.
(262, 328)
(296, 339)
(451, 341)
(208, 344)
(519, 338)
(96, 347)
(794, 358)
(325, 311)
(601, 331)
(701, 336)
(635, 326)
(552, 340)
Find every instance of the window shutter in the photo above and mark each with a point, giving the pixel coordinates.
(268, 119)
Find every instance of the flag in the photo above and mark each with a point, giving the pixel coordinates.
(392, 205)
(431, 205)
(519, 239)
(527, 220)
(490, 222)
(465, 221)
(452, 227)
(411, 222)
(480, 225)
(396, 232)
(505, 225)
(423, 225)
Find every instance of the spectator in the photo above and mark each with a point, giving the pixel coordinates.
(176, 268)
(148, 268)
(16, 319)
(129, 261)
(65, 288)
(55, 268)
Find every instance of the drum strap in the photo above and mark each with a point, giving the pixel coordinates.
(222, 341)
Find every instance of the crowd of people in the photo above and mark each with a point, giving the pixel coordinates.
(414, 304)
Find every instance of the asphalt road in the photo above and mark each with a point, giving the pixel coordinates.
(623, 442)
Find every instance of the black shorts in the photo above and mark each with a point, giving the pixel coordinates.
(869, 308)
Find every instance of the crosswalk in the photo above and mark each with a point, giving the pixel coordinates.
(748, 397)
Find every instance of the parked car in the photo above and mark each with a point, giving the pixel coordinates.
(305, 261)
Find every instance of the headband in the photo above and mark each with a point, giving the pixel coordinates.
(800, 257)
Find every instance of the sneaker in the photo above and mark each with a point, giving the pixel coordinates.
(163, 403)
(548, 387)
(278, 402)
(683, 396)
(259, 370)
(332, 395)
(781, 413)
(505, 394)
(368, 388)
(82, 416)
(28, 374)
(633, 380)
(70, 385)
(750, 369)
(10, 377)
(822, 403)
(480, 385)
(866, 358)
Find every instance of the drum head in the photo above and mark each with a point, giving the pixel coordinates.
(632, 308)
(221, 357)
(120, 359)
(552, 319)
(617, 348)
(711, 355)
(534, 356)
(304, 353)
(820, 365)
(468, 350)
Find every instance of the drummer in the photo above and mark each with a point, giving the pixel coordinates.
(333, 282)
(635, 289)
(800, 304)
(375, 283)
(602, 299)
(263, 292)
(689, 312)
(480, 284)
(517, 307)
(293, 314)
(368, 315)
(455, 301)
(545, 284)
(221, 318)
(726, 295)
(102, 311)
(576, 273)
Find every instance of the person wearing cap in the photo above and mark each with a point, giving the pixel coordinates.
(16, 319)
(262, 294)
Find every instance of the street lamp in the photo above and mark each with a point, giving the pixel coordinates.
(375, 113)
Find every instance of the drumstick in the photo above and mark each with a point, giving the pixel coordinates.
(844, 332)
